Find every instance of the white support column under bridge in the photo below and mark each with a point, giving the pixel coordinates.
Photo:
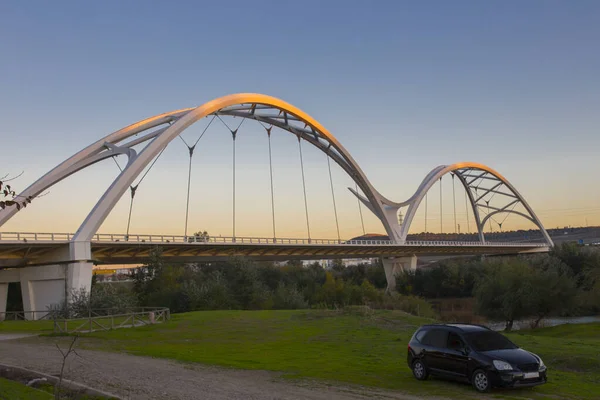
(394, 266)
(67, 271)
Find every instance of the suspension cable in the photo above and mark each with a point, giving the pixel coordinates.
(425, 212)
(187, 204)
(337, 225)
(441, 215)
(133, 188)
(507, 215)
(233, 134)
(454, 202)
(151, 165)
(304, 186)
(117, 163)
(490, 219)
(362, 222)
(271, 175)
(191, 152)
(132, 191)
(467, 211)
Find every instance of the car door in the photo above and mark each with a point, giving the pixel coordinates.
(434, 345)
(455, 361)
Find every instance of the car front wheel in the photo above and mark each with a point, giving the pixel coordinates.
(419, 370)
(481, 381)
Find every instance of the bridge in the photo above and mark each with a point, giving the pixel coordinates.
(21, 249)
(49, 266)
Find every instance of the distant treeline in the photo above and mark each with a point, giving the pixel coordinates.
(557, 234)
(565, 282)
(242, 284)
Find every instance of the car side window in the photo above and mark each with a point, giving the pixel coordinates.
(436, 338)
(419, 336)
(454, 342)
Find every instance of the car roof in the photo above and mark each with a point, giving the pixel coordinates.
(460, 326)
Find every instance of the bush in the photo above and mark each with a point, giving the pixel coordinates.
(105, 299)
(516, 288)
(288, 298)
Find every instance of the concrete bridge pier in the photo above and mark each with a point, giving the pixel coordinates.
(67, 271)
(394, 265)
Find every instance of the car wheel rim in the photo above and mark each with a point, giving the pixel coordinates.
(481, 381)
(419, 370)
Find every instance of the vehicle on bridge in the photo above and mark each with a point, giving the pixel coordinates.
(474, 354)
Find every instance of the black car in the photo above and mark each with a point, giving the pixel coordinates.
(474, 354)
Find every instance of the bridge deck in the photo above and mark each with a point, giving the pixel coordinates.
(20, 249)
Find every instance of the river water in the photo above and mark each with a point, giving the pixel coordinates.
(526, 324)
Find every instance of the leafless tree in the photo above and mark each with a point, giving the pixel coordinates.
(65, 355)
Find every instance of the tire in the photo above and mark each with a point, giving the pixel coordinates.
(420, 370)
(481, 381)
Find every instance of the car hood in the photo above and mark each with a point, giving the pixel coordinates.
(512, 356)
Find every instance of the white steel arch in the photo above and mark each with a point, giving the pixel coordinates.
(161, 129)
(469, 173)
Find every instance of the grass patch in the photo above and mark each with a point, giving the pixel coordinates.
(40, 326)
(356, 346)
(11, 390)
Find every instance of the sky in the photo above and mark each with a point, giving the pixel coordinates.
(404, 86)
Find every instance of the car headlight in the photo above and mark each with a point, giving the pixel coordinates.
(542, 365)
(502, 365)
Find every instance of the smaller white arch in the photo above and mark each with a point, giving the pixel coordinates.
(463, 172)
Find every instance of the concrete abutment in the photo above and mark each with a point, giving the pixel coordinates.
(47, 285)
(394, 265)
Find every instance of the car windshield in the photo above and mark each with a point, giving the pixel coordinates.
(489, 340)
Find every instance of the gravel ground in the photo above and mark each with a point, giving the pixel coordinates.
(134, 377)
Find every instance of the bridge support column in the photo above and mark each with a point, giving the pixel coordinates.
(48, 285)
(41, 288)
(3, 299)
(6, 276)
(394, 265)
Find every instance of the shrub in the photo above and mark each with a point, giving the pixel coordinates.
(288, 298)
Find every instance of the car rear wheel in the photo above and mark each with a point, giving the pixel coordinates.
(419, 370)
(481, 381)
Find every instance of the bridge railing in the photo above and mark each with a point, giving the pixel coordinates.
(199, 240)
(36, 237)
(115, 238)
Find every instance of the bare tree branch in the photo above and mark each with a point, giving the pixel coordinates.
(65, 355)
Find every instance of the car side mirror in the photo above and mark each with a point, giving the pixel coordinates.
(466, 350)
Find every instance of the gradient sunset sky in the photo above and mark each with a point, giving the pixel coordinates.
(405, 86)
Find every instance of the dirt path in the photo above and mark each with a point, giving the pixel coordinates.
(134, 377)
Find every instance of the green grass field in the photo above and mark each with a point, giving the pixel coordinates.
(363, 348)
(10, 390)
(42, 326)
